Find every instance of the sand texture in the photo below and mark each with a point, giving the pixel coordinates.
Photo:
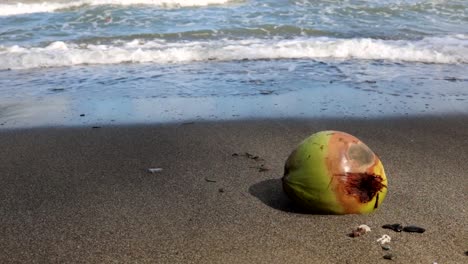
(84, 195)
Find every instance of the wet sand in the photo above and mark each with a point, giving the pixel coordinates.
(83, 195)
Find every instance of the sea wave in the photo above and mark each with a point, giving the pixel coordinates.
(260, 31)
(52, 6)
(448, 49)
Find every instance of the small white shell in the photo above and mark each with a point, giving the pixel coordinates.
(364, 228)
(384, 239)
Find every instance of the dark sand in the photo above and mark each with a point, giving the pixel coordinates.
(83, 195)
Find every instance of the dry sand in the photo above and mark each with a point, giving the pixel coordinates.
(83, 195)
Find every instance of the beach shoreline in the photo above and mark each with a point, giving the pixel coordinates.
(83, 194)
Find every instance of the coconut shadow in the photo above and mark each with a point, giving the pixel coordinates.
(271, 193)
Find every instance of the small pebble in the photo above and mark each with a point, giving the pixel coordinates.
(394, 227)
(389, 257)
(414, 229)
(386, 247)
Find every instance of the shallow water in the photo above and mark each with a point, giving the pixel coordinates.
(164, 60)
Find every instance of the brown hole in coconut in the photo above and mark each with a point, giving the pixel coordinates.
(363, 185)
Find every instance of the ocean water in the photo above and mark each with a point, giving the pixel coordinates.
(173, 60)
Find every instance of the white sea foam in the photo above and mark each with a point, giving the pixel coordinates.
(450, 49)
(50, 6)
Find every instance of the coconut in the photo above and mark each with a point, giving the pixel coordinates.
(333, 172)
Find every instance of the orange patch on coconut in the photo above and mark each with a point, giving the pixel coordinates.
(352, 167)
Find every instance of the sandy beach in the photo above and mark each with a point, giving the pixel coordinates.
(84, 195)
(156, 131)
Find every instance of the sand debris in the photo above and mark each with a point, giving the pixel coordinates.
(154, 170)
(209, 180)
(247, 155)
(261, 168)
